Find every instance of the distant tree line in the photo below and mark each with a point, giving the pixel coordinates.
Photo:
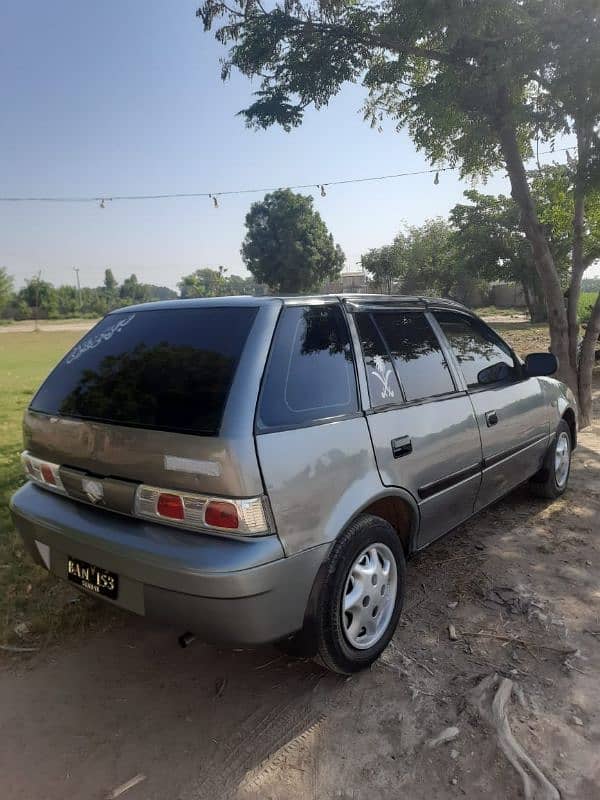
(482, 242)
(41, 299)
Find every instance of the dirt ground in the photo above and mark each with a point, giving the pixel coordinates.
(521, 585)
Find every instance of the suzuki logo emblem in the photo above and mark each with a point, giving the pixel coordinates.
(93, 489)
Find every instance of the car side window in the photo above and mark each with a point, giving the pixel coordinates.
(381, 378)
(310, 374)
(417, 355)
(482, 355)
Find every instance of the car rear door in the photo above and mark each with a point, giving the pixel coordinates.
(422, 424)
(512, 411)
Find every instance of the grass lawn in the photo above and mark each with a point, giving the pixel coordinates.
(28, 594)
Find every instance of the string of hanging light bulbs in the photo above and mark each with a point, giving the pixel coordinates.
(102, 200)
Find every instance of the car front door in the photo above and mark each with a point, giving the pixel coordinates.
(422, 425)
(511, 409)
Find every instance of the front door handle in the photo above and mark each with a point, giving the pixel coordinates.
(491, 418)
(401, 446)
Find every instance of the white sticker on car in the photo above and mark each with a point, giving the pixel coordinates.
(383, 375)
(93, 341)
(192, 466)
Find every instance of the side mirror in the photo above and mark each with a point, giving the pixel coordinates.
(494, 374)
(537, 364)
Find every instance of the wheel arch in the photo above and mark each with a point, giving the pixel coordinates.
(570, 418)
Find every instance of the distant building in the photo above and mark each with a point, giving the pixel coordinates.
(348, 282)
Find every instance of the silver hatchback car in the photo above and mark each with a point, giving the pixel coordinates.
(259, 469)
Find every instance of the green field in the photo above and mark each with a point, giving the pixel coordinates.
(27, 593)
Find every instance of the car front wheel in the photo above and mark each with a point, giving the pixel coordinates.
(551, 481)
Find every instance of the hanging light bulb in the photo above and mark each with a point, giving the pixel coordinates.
(436, 180)
(323, 192)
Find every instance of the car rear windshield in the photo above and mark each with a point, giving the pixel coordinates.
(168, 369)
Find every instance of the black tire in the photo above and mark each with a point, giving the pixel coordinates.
(546, 483)
(323, 636)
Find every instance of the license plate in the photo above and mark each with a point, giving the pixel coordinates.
(92, 578)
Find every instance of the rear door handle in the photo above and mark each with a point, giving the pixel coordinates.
(491, 418)
(401, 446)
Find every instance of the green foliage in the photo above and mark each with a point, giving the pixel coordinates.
(452, 72)
(110, 282)
(216, 283)
(287, 244)
(423, 260)
(204, 283)
(586, 303)
(554, 190)
(6, 287)
(430, 258)
(386, 265)
(42, 299)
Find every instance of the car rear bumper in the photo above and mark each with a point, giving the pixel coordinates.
(222, 589)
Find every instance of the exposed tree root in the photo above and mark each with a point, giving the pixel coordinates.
(490, 697)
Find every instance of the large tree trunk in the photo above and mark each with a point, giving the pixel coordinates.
(577, 270)
(528, 300)
(586, 365)
(584, 136)
(544, 262)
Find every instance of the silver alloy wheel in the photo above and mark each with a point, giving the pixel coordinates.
(369, 596)
(562, 459)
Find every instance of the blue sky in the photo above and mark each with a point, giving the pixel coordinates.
(124, 97)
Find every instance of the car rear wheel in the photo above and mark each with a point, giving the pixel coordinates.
(361, 596)
(551, 481)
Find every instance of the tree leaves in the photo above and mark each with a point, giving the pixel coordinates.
(287, 244)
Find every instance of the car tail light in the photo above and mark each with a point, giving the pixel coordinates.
(43, 473)
(248, 516)
(221, 514)
(170, 505)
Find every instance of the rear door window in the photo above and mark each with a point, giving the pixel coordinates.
(381, 377)
(416, 354)
(166, 369)
(476, 347)
(310, 374)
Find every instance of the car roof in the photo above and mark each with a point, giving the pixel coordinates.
(351, 299)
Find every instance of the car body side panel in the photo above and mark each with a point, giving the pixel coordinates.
(444, 468)
(318, 479)
(513, 447)
(559, 398)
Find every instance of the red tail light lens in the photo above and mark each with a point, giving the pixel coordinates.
(171, 506)
(48, 475)
(221, 514)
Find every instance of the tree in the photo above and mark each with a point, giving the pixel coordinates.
(38, 299)
(490, 244)
(110, 282)
(474, 82)
(431, 262)
(132, 291)
(386, 265)
(287, 244)
(6, 288)
(204, 283)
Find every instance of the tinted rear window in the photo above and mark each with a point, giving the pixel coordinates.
(310, 375)
(167, 369)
